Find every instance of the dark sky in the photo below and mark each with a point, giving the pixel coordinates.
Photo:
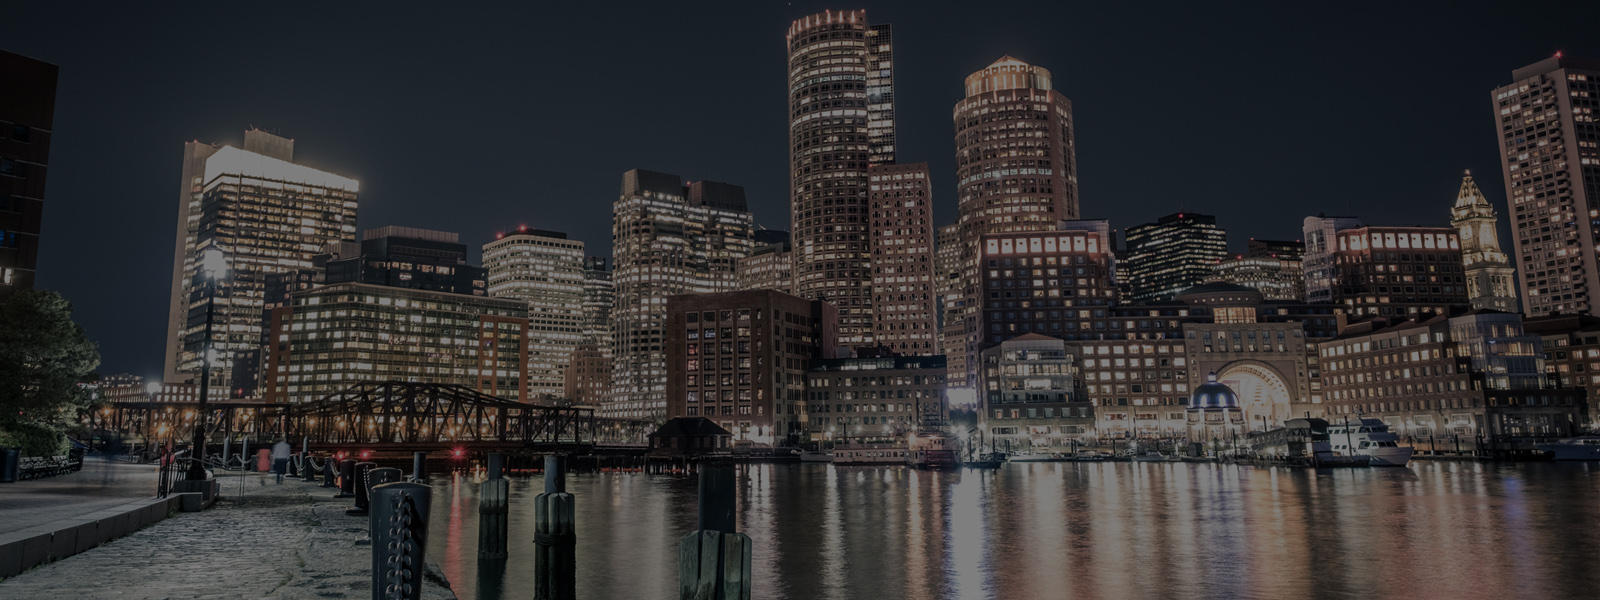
(479, 119)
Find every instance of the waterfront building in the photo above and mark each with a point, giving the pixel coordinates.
(1571, 344)
(769, 267)
(1488, 272)
(1175, 253)
(1031, 398)
(337, 335)
(1056, 283)
(903, 277)
(27, 117)
(740, 358)
(841, 120)
(589, 377)
(1321, 243)
(1286, 250)
(1474, 376)
(1276, 278)
(1214, 417)
(668, 239)
(1394, 271)
(545, 270)
(1550, 160)
(872, 398)
(267, 215)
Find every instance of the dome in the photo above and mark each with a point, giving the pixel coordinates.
(1213, 395)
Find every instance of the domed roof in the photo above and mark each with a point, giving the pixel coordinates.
(1212, 394)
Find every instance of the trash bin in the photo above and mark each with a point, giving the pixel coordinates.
(10, 464)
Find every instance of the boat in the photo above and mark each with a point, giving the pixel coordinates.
(815, 456)
(1583, 447)
(1153, 456)
(932, 449)
(1372, 438)
(1299, 443)
(1032, 457)
(870, 453)
(987, 460)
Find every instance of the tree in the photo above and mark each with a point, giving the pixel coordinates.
(44, 357)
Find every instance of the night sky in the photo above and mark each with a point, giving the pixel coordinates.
(478, 120)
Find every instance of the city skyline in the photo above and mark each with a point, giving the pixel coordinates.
(136, 218)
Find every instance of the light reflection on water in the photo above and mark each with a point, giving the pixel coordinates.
(1073, 530)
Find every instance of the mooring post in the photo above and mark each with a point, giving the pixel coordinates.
(555, 565)
(227, 447)
(419, 462)
(330, 470)
(244, 455)
(362, 470)
(308, 468)
(493, 496)
(714, 562)
(347, 481)
(399, 529)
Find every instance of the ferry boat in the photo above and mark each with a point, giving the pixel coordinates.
(870, 453)
(1584, 447)
(815, 456)
(1301, 443)
(932, 449)
(1370, 437)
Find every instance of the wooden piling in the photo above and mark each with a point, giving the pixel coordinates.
(493, 502)
(555, 562)
(714, 562)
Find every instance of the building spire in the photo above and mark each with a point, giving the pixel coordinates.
(1470, 197)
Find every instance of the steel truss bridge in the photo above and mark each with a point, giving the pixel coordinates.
(390, 415)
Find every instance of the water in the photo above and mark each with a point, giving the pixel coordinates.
(1075, 530)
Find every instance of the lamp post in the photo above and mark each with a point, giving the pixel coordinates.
(215, 267)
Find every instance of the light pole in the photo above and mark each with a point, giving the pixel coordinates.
(215, 267)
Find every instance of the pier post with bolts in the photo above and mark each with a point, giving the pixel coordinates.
(714, 562)
(363, 498)
(555, 562)
(347, 474)
(419, 464)
(493, 496)
(398, 526)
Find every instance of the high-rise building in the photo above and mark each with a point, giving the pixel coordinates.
(1398, 271)
(337, 335)
(27, 117)
(266, 215)
(668, 239)
(1173, 254)
(545, 270)
(1321, 244)
(1550, 158)
(904, 300)
(769, 267)
(1276, 278)
(841, 120)
(407, 257)
(740, 358)
(873, 398)
(589, 376)
(1059, 283)
(1488, 271)
(1287, 250)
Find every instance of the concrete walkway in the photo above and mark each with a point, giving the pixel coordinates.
(270, 541)
(100, 485)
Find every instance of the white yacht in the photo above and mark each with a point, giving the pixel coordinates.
(1585, 447)
(1369, 437)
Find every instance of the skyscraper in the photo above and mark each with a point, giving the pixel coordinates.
(544, 269)
(903, 290)
(1175, 253)
(27, 114)
(1398, 271)
(1550, 157)
(267, 215)
(841, 111)
(1488, 273)
(1321, 242)
(668, 239)
(589, 375)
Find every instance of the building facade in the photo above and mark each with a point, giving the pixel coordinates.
(668, 239)
(841, 120)
(1276, 278)
(1488, 271)
(545, 270)
(1392, 271)
(1321, 238)
(904, 298)
(1550, 160)
(27, 116)
(1059, 284)
(1031, 396)
(1571, 346)
(1175, 253)
(406, 257)
(874, 398)
(1283, 249)
(266, 215)
(740, 358)
(947, 257)
(337, 335)
(589, 376)
(769, 267)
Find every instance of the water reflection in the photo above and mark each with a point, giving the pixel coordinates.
(1073, 530)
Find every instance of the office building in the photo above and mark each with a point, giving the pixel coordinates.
(1571, 346)
(337, 335)
(1175, 253)
(1394, 271)
(904, 299)
(27, 117)
(841, 120)
(947, 252)
(1550, 160)
(545, 270)
(1057, 283)
(1276, 278)
(1282, 249)
(1031, 397)
(1016, 164)
(740, 359)
(589, 376)
(668, 239)
(266, 215)
(1318, 263)
(1488, 271)
(875, 397)
(406, 257)
(769, 267)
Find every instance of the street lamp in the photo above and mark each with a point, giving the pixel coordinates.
(215, 267)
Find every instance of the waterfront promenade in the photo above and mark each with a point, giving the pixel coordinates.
(261, 540)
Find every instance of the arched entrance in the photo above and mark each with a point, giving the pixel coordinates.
(1262, 392)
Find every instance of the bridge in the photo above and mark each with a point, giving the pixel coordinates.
(387, 416)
